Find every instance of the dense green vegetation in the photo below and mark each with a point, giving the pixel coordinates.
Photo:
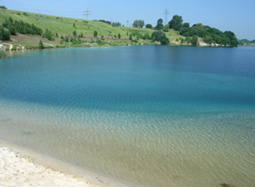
(160, 36)
(20, 27)
(208, 34)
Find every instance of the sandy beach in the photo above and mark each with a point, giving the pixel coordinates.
(23, 167)
(16, 170)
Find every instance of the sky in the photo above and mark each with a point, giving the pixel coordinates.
(237, 16)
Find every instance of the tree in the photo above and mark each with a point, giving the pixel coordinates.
(146, 36)
(48, 34)
(74, 33)
(95, 33)
(130, 37)
(176, 23)
(119, 36)
(5, 23)
(116, 24)
(12, 30)
(4, 34)
(138, 23)
(41, 45)
(3, 7)
(185, 25)
(232, 38)
(148, 26)
(159, 25)
(66, 39)
(160, 37)
(194, 41)
(208, 39)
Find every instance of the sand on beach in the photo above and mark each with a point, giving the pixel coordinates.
(16, 170)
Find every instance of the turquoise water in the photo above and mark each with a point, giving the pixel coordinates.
(152, 115)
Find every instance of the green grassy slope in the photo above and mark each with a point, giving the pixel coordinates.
(65, 26)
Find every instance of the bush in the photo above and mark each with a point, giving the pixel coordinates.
(194, 41)
(48, 34)
(160, 37)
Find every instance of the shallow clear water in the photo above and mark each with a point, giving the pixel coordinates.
(153, 115)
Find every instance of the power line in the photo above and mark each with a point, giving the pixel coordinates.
(166, 13)
(87, 13)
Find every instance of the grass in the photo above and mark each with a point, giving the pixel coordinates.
(3, 54)
(66, 26)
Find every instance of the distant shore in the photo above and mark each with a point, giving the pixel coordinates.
(22, 167)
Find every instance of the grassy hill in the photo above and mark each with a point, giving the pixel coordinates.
(63, 26)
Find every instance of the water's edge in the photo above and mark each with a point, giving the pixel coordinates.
(64, 167)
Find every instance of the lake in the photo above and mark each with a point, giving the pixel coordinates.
(145, 115)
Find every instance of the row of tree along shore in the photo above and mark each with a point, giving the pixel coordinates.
(192, 33)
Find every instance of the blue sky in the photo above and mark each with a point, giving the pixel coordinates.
(233, 15)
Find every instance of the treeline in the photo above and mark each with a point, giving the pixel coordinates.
(114, 24)
(21, 27)
(246, 42)
(192, 33)
(208, 34)
(3, 7)
(12, 27)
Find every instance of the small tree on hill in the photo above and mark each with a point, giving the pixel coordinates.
(159, 25)
(138, 23)
(148, 26)
(74, 33)
(95, 33)
(41, 45)
(176, 23)
(130, 37)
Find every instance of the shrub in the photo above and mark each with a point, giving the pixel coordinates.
(41, 45)
(160, 37)
(3, 54)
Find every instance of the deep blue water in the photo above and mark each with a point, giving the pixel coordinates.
(153, 115)
(133, 79)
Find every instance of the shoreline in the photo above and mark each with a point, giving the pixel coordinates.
(18, 52)
(22, 166)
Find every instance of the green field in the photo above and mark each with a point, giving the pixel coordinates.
(66, 26)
